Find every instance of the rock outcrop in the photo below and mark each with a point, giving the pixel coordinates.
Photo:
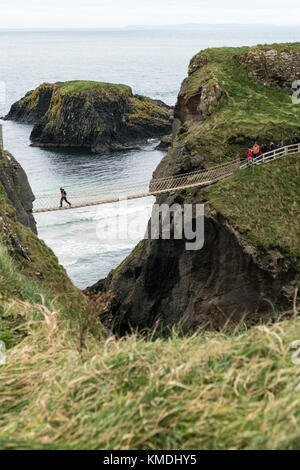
(220, 110)
(197, 102)
(97, 116)
(33, 106)
(275, 66)
(14, 180)
(228, 280)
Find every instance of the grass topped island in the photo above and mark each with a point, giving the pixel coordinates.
(88, 114)
(86, 85)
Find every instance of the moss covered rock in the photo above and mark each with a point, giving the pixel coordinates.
(33, 105)
(93, 115)
(275, 65)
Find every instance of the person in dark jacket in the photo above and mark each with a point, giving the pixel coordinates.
(264, 148)
(63, 197)
(296, 139)
(272, 146)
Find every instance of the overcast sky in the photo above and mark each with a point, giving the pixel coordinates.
(119, 13)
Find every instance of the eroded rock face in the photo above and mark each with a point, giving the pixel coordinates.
(98, 117)
(227, 279)
(33, 106)
(196, 103)
(15, 182)
(276, 66)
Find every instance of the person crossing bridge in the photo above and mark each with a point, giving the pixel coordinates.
(63, 197)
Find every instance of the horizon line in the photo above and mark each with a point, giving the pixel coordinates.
(141, 26)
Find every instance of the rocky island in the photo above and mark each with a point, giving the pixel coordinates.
(94, 115)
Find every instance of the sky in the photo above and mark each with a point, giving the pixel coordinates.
(121, 13)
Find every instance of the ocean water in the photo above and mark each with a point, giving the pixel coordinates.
(90, 242)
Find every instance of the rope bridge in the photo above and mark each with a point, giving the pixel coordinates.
(105, 195)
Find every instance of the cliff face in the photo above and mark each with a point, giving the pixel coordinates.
(94, 115)
(228, 279)
(33, 106)
(248, 259)
(14, 180)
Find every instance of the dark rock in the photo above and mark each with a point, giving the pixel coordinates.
(165, 143)
(33, 106)
(228, 279)
(15, 182)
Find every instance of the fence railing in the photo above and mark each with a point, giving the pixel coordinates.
(272, 155)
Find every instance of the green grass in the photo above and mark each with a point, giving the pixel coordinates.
(86, 85)
(246, 112)
(263, 203)
(280, 47)
(206, 391)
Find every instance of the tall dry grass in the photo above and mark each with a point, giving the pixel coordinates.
(205, 391)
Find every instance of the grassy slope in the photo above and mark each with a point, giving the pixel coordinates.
(19, 281)
(208, 391)
(263, 203)
(247, 112)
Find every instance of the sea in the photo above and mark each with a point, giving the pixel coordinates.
(90, 242)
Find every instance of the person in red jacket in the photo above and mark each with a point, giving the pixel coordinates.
(63, 197)
(249, 156)
(256, 150)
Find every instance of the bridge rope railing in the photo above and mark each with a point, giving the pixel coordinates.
(195, 177)
(204, 177)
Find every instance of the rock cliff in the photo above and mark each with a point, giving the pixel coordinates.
(33, 106)
(14, 180)
(250, 258)
(97, 116)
